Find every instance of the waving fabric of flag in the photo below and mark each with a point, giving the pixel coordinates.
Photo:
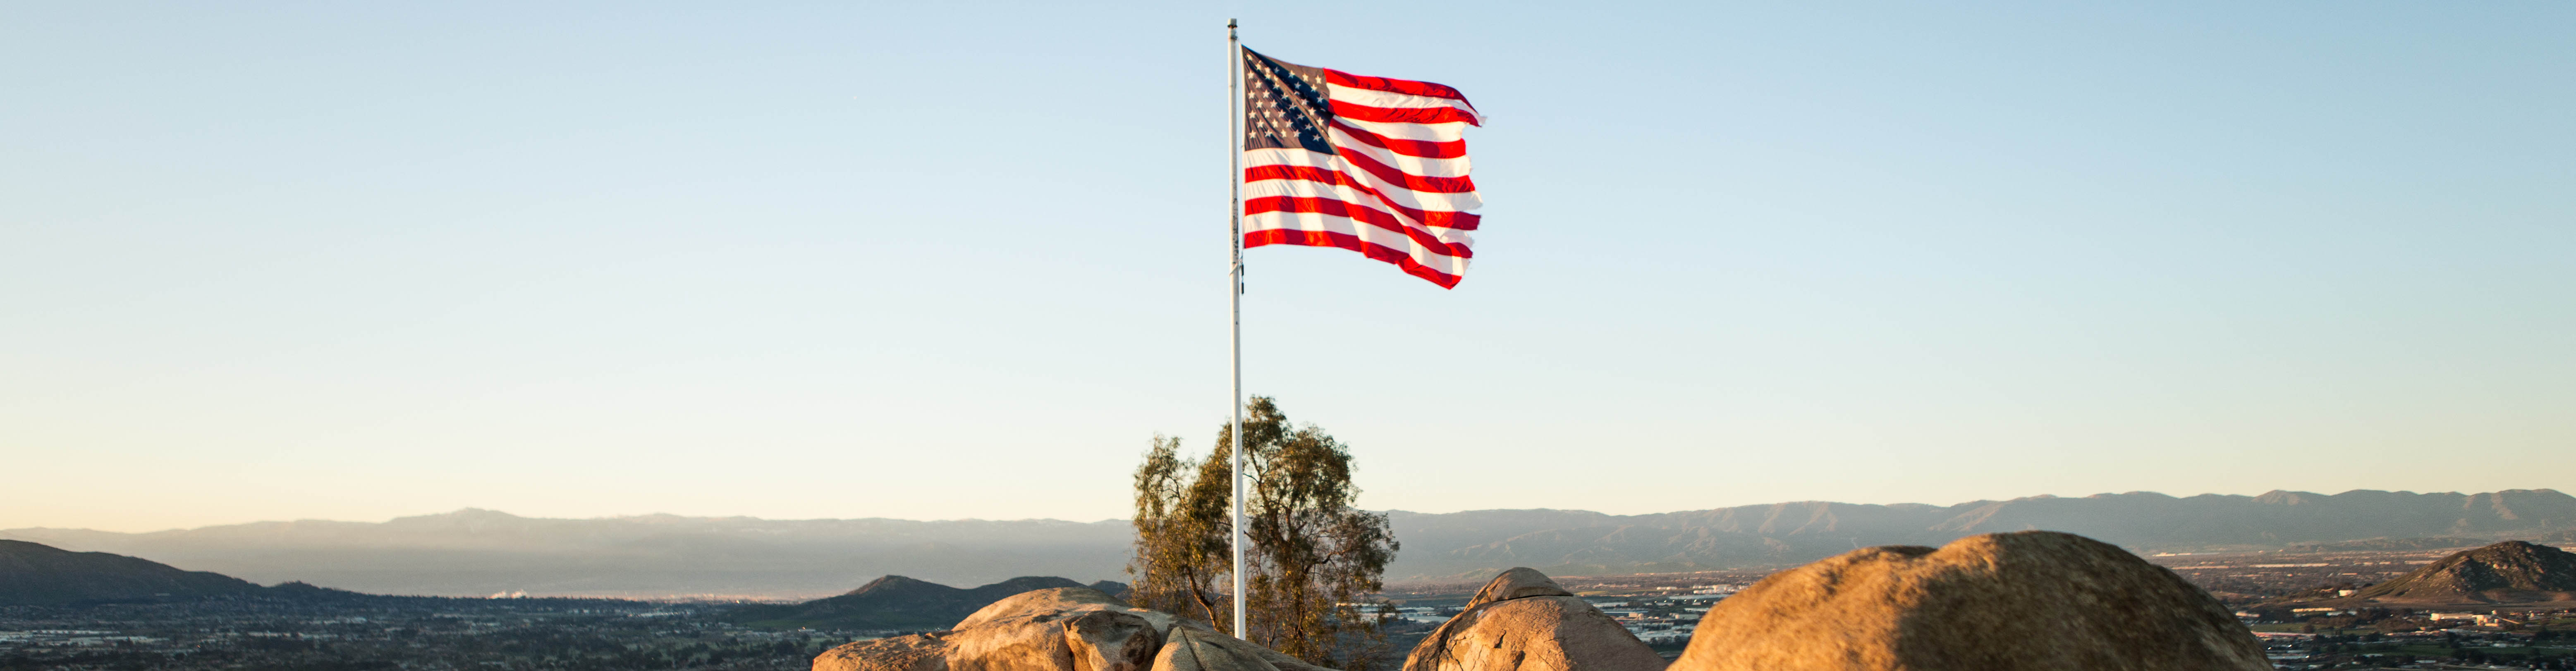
(1369, 164)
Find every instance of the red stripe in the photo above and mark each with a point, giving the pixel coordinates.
(1406, 179)
(1403, 114)
(1281, 236)
(1405, 86)
(1422, 148)
(1464, 221)
(1359, 213)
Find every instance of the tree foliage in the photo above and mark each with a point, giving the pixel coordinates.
(1310, 556)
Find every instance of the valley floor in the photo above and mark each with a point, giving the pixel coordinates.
(397, 633)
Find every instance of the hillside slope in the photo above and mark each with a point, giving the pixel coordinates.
(2507, 572)
(898, 603)
(35, 574)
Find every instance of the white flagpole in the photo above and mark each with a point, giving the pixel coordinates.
(1234, 297)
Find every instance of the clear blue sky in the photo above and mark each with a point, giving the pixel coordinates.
(358, 260)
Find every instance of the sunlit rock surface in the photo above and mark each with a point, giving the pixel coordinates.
(2025, 601)
(1523, 621)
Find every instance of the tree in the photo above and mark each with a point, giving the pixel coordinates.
(1181, 545)
(1310, 557)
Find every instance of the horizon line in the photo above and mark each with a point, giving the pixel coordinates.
(473, 509)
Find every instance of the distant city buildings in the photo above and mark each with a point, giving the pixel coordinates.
(2481, 619)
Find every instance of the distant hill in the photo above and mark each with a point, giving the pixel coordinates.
(478, 552)
(305, 592)
(898, 603)
(34, 574)
(2507, 572)
(475, 552)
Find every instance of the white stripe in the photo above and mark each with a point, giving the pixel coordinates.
(1316, 221)
(1420, 200)
(1298, 188)
(1427, 132)
(1411, 165)
(1390, 99)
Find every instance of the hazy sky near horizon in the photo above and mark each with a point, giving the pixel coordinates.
(800, 260)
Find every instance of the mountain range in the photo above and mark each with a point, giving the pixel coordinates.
(476, 552)
(1578, 542)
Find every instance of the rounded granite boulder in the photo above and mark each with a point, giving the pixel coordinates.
(2025, 601)
(1523, 621)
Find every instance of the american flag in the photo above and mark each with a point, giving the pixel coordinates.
(1368, 164)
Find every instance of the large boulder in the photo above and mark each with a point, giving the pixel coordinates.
(1193, 651)
(1524, 621)
(1202, 649)
(1060, 629)
(1517, 583)
(1036, 603)
(918, 652)
(2025, 601)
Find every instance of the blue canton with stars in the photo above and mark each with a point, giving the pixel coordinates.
(1284, 105)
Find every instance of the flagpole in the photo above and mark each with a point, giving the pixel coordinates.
(1234, 298)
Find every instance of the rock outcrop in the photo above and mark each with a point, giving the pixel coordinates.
(1059, 629)
(1199, 649)
(1062, 629)
(1514, 584)
(918, 652)
(1192, 651)
(2024, 601)
(1524, 621)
